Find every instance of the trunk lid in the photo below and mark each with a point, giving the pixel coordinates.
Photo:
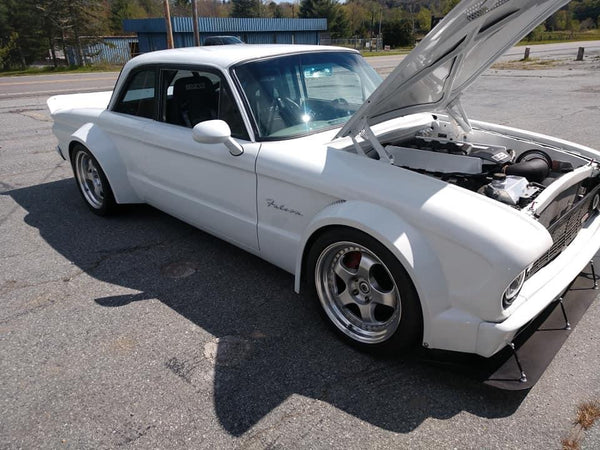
(73, 101)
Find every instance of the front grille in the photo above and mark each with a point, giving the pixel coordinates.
(564, 230)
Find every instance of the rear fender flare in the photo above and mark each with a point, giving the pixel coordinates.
(98, 142)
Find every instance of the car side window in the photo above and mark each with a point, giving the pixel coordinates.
(194, 96)
(139, 98)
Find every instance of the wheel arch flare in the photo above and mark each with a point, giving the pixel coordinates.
(98, 142)
(403, 240)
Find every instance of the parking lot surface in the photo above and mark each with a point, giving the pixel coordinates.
(141, 331)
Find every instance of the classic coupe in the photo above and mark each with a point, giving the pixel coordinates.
(411, 223)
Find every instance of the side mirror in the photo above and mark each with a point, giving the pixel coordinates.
(216, 132)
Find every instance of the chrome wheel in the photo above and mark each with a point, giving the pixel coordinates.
(358, 292)
(89, 180)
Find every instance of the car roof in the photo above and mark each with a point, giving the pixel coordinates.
(223, 56)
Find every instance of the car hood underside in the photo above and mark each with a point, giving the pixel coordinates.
(449, 59)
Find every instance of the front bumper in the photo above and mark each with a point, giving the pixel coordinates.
(541, 289)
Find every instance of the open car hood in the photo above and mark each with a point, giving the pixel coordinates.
(449, 59)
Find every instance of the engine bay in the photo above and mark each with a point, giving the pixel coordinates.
(494, 171)
(510, 171)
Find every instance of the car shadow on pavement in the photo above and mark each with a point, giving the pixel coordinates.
(270, 343)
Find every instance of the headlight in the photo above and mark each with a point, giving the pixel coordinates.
(513, 290)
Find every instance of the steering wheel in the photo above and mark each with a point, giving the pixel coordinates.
(289, 110)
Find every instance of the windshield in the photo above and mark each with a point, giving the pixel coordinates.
(300, 94)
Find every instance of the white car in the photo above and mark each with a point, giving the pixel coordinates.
(412, 223)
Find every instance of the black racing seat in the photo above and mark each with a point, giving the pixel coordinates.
(195, 100)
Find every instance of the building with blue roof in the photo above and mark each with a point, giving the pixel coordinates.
(152, 33)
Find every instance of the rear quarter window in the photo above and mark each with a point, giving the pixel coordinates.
(139, 98)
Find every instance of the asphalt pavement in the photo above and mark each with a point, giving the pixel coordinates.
(143, 332)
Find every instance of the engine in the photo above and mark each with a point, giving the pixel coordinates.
(495, 171)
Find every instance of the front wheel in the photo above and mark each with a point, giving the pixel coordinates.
(92, 182)
(364, 291)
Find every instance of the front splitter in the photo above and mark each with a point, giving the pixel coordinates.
(535, 345)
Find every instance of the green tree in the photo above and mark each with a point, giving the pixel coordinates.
(288, 9)
(337, 24)
(537, 34)
(274, 10)
(21, 37)
(152, 8)
(423, 19)
(356, 14)
(245, 8)
(587, 9)
(557, 21)
(8, 51)
(121, 10)
(447, 6)
(398, 33)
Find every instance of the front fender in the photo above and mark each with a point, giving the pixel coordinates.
(404, 241)
(99, 143)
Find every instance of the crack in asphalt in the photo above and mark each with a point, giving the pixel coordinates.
(22, 110)
(45, 304)
(35, 171)
(133, 249)
(257, 436)
(132, 434)
(16, 206)
(183, 368)
(13, 285)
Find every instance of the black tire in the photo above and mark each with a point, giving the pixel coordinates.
(364, 292)
(92, 182)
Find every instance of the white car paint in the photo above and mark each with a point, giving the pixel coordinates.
(460, 248)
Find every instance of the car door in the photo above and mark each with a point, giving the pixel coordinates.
(202, 184)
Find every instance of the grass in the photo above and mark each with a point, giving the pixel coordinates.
(587, 414)
(555, 37)
(45, 70)
(570, 444)
(396, 51)
(546, 37)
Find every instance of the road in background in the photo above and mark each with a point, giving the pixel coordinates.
(64, 83)
(555, 51)
(566, 51)
(54, 84)
(141, 331)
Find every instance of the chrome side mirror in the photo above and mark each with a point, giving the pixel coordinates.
(216, 132)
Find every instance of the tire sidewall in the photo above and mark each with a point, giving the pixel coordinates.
(108, 202)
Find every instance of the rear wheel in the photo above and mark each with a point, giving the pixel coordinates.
(92, 182)
(364, 291)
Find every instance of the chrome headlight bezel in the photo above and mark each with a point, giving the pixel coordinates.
(513, 290)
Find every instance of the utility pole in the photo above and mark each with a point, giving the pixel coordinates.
(168, 23)
(379, 37)
(195, 24)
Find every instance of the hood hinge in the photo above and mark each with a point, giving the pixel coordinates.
(367, 134)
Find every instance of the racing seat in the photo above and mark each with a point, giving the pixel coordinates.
(195, 100)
